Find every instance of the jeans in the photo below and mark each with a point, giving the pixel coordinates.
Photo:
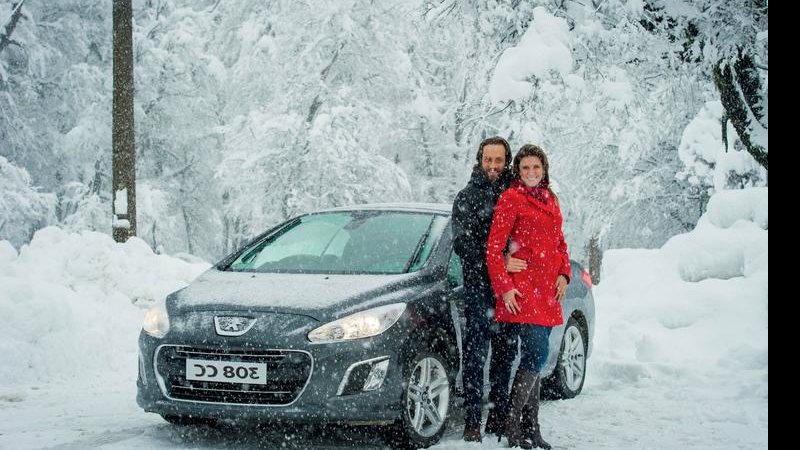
(481, 331)
(534, 344)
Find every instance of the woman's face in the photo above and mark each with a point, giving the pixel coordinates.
(531, 170)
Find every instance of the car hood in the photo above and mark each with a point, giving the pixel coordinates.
(321, 296)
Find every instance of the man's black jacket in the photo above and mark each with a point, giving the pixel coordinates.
(473, 209)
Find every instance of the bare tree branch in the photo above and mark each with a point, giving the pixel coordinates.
(5, 37)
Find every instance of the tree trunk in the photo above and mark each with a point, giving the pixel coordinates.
(188, 226)
(458, 128)
(122, 138)
(739, 90)
(595, 259)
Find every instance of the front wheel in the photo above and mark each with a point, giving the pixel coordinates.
(426, 402)
(567, 379)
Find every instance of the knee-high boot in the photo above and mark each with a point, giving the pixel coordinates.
(530, 419)
(524, 383)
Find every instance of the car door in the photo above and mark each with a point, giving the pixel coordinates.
(455, 296)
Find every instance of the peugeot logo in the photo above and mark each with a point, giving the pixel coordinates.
(233, 325)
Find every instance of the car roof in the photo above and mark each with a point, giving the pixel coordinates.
(440, 208)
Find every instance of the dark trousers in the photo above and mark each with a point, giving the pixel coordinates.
(481, 331)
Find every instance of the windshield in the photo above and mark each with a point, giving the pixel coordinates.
(346, 242)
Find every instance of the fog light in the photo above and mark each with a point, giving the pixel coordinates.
(142, 373)
(376, 375)
(364, 376)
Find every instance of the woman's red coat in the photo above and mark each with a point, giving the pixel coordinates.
(534, 227)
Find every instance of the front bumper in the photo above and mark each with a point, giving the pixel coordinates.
(318, 401)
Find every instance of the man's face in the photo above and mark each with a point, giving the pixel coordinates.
(494, 161)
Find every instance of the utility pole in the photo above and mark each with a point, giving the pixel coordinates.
(122, 142)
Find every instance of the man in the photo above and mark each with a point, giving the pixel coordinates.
(473, 209)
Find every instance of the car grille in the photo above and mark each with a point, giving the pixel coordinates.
(287, 371)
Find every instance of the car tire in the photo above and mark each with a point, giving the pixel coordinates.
(567, 379)
(188, 421)
(428, 390)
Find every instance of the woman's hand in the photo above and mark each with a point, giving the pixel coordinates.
(561, 287)
(510, 300)
(514, 265)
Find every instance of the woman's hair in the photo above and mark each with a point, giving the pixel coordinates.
(532, 150)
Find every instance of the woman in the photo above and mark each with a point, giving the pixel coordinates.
(529, 301)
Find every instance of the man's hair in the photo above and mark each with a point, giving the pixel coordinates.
(532, 150)
(494, 140)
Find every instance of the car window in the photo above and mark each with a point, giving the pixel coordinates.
(346, 242)
(432, 237)
(455, 274)
(313, 238)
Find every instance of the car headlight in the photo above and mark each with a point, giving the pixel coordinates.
(156, 321)
(363, 324)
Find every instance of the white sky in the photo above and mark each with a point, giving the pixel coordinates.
(680, 354)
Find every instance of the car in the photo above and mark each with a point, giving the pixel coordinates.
(351, 315)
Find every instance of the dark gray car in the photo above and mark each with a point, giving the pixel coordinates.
(350, 315)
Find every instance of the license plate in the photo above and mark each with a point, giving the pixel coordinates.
(226, 372)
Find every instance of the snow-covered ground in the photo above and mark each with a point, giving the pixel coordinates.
(680, 355)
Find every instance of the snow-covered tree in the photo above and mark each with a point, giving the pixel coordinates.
(729, 38)
(595, 90)
(179, 84)
(309, 131)
(55, 92)
(250, 111)
(23, 209)
(713, 162)
(55, 104)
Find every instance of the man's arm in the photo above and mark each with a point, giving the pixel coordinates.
(464, 241)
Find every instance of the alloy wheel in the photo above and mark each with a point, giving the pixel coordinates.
(428, 397)
(573, 358)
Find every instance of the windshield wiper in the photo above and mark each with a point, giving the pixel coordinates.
(418, 248)
(251, 252)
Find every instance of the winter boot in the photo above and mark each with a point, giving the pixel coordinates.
(530, 419)
(496, 422)
(520, 391)
(472, 432)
